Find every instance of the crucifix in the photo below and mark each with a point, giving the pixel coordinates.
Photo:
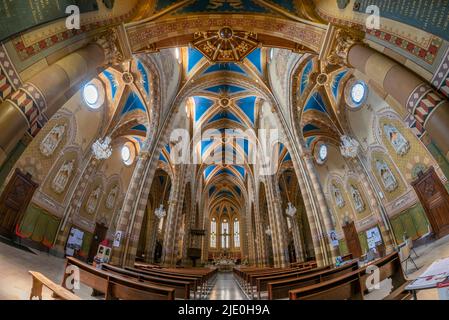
(225, 238)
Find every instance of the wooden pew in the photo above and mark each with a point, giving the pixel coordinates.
(280, 289)
(203, 275)
(39, 281)
(248, 277)
(352, 286)
(194, 282)
(114, 286)
(262, 282)
(182, 288)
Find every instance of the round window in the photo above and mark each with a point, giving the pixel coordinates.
(93, 94)
(90, 94)
(323, 153)
(126, 154)
(358, 92)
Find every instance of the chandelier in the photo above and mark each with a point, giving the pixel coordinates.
(160, 212)
(349, 147)
(291, 210)
(102, 149)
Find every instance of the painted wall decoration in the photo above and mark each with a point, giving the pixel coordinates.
(61, 179)
(18, 16)
(52, 140)
(388, 180)
(431, 16)
(112, 196)
(92, 202)
(338, 197)
(397, 140)
(357, 197)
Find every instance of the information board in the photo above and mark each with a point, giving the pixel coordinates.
(19, 15)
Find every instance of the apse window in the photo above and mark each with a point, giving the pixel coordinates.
(93, 94)
(358, 93)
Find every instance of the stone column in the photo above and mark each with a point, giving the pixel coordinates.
(278, 224)
(39, 98)
(426, 110)
(151, 235)
(173, 212)
(324, 219)
(134, 207)
(299, 251)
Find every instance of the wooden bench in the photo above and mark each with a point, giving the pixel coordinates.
(352, 286)
(280, 289)
(39, 281)
(248, 277)
(115, 286)
(182, 288)
(262, 282)
(201, 276)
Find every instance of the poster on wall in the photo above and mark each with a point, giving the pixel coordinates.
(431, 16)
(373, 237)
(334, 239)
(74, 242)
(18, 16)
(117, 239)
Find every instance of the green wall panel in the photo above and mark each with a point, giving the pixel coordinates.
(363, 242)
(343, 247)
(39, 226)
(412, 222)
(86, 244)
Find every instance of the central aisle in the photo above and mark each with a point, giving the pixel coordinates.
(226, 288)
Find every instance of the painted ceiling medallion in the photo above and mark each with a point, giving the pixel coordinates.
(225, 45)
(224, 102)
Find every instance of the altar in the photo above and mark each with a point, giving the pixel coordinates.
(225, 265)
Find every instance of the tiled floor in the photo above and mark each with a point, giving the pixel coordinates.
(226, 288)
(15, 282)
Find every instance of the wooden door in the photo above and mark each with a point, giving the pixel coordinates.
(14, 201)
(435, 200)
(352, 240)
(99, 235)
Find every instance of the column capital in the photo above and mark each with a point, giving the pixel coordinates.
(115, 45)
(340, 41)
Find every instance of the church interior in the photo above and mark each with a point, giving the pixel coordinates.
(224, 150)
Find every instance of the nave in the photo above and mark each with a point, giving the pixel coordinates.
(207, 149)
(15, 283)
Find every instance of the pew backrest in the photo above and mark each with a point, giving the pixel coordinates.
(354, 285)
(280, 289)
(112, 285)
(182, 288)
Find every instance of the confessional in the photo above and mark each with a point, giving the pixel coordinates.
(14, 201)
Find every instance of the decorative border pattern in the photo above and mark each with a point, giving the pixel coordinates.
(25, 52)
(145, 34)
(442, 73)
(423, 109)
(416, 96)
(428, 55)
